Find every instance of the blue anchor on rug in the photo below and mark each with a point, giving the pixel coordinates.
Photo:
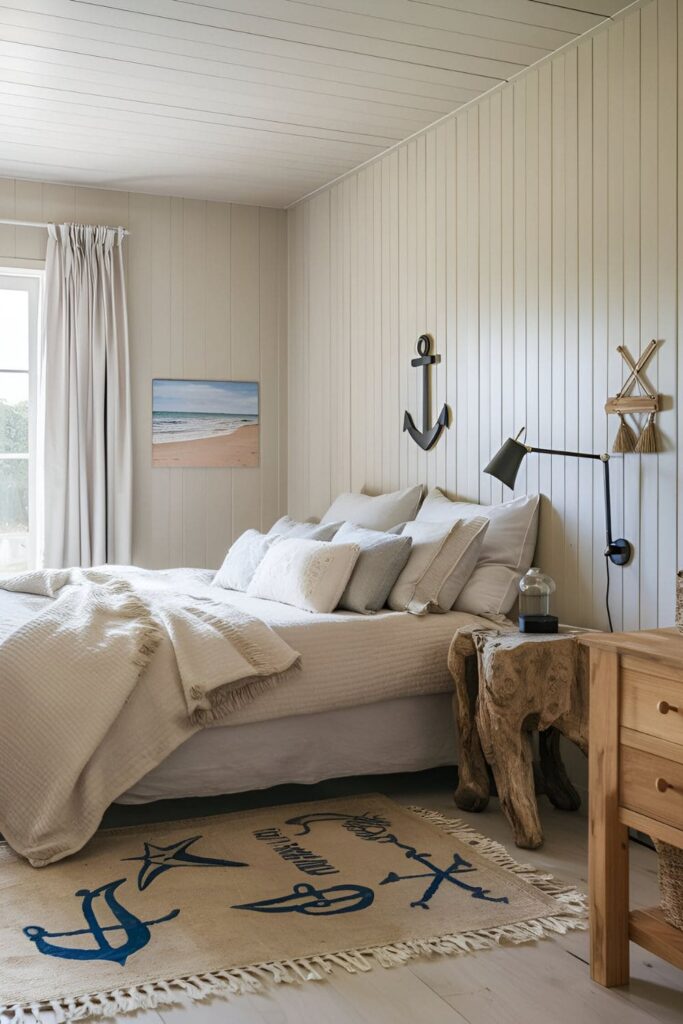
(439, 876)
(137, 932)
(158, 859)
(306, 899)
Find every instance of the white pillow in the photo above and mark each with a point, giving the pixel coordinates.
(442, 558)
(243, 559)
(375, 513)
(511, 537)
(309, 574)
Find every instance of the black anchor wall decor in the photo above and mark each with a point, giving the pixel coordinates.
(428, 436)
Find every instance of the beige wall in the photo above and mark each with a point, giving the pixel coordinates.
(530, 234)
(207, 298)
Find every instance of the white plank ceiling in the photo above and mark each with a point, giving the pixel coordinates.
(253, 101)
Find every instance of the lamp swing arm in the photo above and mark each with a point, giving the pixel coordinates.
(506, 462)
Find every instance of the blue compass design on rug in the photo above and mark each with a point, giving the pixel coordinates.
(158, 859)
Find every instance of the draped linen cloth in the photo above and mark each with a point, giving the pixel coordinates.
(84, 506)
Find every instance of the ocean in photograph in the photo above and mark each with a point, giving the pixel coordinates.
(205, 423)
(180, 426)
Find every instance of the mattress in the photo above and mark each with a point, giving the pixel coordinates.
(404, 735)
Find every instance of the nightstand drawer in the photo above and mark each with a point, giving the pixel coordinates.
(651, 785)
(652, 702)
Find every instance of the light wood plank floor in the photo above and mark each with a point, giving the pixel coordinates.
(547, 983)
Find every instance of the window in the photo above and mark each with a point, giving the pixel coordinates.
(19, 304)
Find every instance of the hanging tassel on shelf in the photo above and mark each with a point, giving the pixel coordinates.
(625, 440)
(648, 441)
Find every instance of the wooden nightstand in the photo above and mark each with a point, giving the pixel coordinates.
(635, 779)
(524, 682)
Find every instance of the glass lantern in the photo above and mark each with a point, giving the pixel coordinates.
(535, 591)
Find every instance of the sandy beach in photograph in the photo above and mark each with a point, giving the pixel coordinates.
(239, 449)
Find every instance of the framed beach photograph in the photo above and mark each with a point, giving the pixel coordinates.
(205, 423)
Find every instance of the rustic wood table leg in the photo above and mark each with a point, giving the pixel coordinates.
(473, 789)
(607, 837)
(558, 787)
(509, 752)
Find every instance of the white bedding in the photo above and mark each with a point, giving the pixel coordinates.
(373, 696)
(382, 667)
(349, 659)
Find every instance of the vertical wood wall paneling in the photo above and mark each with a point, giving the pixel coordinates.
(615, 279)
(217, 298)
(667, 183)
(632, 327)
(587, 398)
(245, 347)
(485, 231)
(187, 318)
(572, 513)
(531, 234)
(649, 288)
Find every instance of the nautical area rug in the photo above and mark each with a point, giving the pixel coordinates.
(145, 915)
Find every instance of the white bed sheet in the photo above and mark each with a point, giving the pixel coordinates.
(404, 735)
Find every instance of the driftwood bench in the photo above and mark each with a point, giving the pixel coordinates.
(508, 684)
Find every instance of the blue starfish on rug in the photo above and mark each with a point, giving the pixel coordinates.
(158, 859)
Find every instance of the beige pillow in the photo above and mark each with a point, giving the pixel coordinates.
(490, 592)
(442, 559)
(505, 555)
(511, 537)
(309, 574)
(375, 513)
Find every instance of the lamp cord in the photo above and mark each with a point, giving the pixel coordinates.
(609, 616)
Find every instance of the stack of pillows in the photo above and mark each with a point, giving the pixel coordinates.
(370, 552)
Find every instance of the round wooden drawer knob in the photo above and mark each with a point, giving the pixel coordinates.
(664, 707)
(661, 785)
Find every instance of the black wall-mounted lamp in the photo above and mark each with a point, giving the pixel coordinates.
(505, 464)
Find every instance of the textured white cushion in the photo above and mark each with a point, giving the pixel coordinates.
(511, 537)
(375, 513)
(442, 558)
(243, 559)
(506, 554)
(311, 529)
(309, 574)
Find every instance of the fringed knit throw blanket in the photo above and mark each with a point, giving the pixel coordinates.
(150, 914)
(115, 672)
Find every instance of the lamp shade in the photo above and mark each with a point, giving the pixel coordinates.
(505, 463)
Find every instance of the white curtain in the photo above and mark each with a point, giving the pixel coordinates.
(84, 468)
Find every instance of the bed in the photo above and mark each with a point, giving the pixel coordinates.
(388, 671)
(372, 696)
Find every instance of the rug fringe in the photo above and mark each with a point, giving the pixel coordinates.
(571, 914)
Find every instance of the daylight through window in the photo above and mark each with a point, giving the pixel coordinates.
(19, 301)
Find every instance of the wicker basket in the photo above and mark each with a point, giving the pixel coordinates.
(671, 882)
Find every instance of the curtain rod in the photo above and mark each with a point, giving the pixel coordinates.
(46, 224)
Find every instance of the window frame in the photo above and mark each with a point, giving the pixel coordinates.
(16, 277)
